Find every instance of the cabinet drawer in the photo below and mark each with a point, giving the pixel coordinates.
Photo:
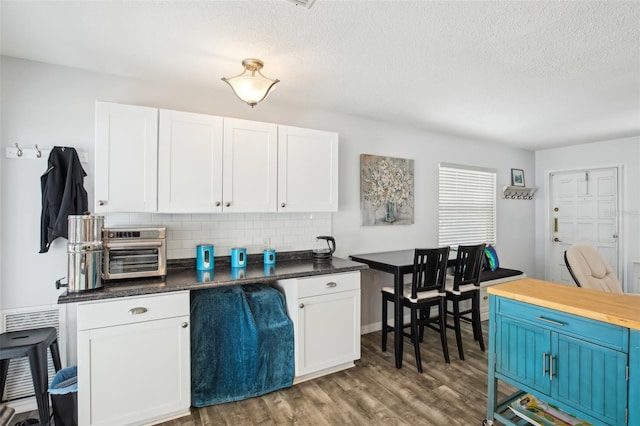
(131, 310)
(598, 332)
(326, 284)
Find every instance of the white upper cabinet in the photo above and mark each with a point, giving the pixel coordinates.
(189, 162)
(150, 160)
(126, 167)
(250, 166)
(307, 170)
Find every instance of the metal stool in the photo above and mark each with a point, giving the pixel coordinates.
(33, 344)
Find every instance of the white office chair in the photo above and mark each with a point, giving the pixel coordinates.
(589, 269)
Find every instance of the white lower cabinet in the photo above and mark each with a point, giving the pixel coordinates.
(325, 311)
(133, 359)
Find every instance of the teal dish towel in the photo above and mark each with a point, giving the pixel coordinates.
(241, 344)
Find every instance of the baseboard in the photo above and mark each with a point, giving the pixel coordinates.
(370, 328)
(377, 326)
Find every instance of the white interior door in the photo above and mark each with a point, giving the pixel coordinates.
(584, 210)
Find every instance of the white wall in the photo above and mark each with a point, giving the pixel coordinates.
(51, 105)
(623, 153)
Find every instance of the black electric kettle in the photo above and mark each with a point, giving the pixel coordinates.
(322, 253)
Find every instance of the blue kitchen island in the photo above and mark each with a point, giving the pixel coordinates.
(564, 347)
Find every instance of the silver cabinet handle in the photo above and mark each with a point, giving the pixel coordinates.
(218, 203)
(185, 324)
(137, 311)
(101, 202)
(550, 321)
(545, 370)
(331, 284)
(282, 205)
(551, 372)
(227, 204)
(301, 305)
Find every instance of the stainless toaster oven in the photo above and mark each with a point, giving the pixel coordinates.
(134, 252)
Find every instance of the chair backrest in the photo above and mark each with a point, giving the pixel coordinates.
(468, 266)
(589, 269)
(429, 270)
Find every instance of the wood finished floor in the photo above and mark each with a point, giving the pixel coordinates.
(374, 392)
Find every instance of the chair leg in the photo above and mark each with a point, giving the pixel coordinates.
(55, 355)
(4, 369)
(477, 324)
(456, 326)
(384, 323)
(443, 328)
(415, 337)
(425, 313)
(39, 374)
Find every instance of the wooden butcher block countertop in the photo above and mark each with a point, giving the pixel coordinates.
(622, 310)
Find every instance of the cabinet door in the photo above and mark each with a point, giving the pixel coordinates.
(590, 378)
(189, 162)
(522, 353)
(126, 158)
(135, 373)
(328, 331)
(307, 170)
(250, 166)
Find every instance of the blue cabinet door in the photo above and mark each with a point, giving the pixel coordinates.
(590, 378)
(520, 353)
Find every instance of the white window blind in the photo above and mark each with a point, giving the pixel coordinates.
(467, 205)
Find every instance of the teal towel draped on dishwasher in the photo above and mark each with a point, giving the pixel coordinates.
(241, 343)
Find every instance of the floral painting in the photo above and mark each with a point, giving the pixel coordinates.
(386, 190)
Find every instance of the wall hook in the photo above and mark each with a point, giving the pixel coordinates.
(38, 152)
(19, 150)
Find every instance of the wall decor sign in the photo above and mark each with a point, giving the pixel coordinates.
(517, 177)
(386, 190)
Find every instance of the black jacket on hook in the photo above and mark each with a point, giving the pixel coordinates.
(63, 194)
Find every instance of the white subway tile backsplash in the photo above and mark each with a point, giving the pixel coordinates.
(286, 231)
(253, 216)
(140, 217)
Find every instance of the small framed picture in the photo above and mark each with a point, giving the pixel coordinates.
(517, 177)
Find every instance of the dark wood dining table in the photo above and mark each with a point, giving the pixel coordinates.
(398, 263)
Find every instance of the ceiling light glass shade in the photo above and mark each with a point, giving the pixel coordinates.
(251, 86)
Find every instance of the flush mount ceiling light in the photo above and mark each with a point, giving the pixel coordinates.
(251, 86)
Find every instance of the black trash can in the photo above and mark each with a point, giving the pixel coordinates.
(64, 397)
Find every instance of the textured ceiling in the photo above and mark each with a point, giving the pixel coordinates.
(530, 74)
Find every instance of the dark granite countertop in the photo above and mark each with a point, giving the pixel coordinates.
(182, 275)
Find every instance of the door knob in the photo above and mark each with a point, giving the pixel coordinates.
(556, 240)
(301, 305)
(227, 204)
(101, 202)
(282, 205)
(218, 203)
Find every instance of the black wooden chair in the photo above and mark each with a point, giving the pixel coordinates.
(463, 285)
(425, 291)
